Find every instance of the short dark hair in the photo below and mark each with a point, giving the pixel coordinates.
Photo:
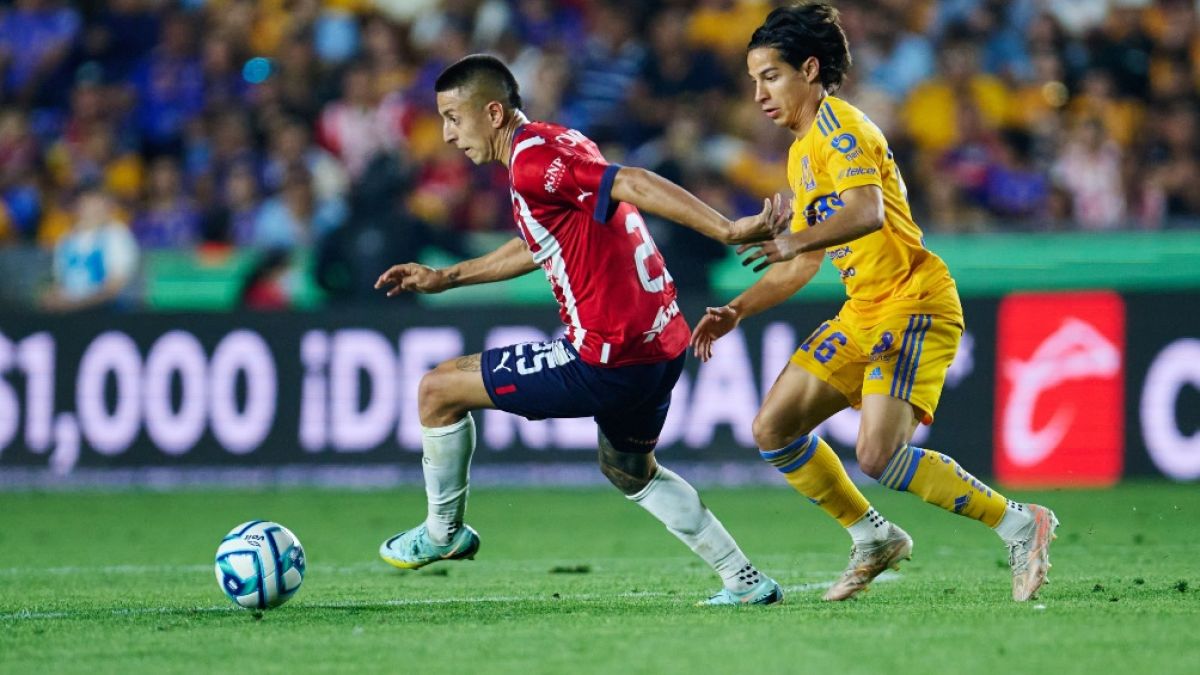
(486, 73)
(809, 29)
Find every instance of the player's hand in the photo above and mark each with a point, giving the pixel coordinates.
(782, 248)
(716, 322)
(412, 277)
(767, 224)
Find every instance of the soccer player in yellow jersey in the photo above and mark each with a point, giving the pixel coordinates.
(887, 350)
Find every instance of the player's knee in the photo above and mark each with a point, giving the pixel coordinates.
(873, 457)
(435, 400)
(769, 434)
(629, 472)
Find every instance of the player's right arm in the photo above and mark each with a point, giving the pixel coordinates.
(780, 282)
(652, 193)
(509, 261)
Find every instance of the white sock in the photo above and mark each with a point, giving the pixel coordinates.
(870, 528)
(1014, 520)
(677, 505)
(446, 463)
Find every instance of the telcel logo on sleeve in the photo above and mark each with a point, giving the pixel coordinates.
(1060, 389)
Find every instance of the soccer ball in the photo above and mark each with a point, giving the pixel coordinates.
(260, 564)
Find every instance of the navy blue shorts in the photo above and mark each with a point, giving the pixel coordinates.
(540, 380)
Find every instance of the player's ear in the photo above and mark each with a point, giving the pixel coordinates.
(811, 69)
(495, 111)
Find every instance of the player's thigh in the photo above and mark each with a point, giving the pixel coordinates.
(910, 359)
(886, 424)
(797, 402)
(635, 427)
(903, 384)
(450, 390)
(823, 376)
(542, 380)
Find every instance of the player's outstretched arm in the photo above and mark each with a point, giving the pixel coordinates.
(652, 193)
(510, 260)
(778, 284)
(861, 215)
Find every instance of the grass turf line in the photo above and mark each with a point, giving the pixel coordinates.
(122, 582)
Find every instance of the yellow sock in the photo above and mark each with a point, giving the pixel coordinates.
(812, 467)
(939, 480)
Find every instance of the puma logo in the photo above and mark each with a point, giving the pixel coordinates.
(584, 195)
(503, 360)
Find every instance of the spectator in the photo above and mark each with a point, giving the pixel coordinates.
(361, 125)
(931, 112)
(221, 62)
(294, 217)
(169, 85)
(1089, 169)
(122, 35)
(95, 263)
(291, 145)
(18, 149)
(1013, 188)
(612, 58)
(1170, 186)
(903, 58)
(233, 219)
(36, 38)
(170, 218)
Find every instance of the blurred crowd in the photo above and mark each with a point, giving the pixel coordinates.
(284, 125)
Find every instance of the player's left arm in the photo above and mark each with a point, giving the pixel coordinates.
(652, 193)
(862, 214)
(854, 156)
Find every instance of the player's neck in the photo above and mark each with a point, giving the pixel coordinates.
(808, 115)
(503, 142)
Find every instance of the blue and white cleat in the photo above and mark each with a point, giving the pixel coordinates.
(765, 592)
(412, 549)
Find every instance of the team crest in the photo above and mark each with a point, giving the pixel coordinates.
(806, 173)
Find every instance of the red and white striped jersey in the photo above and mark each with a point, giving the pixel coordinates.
(614, 293)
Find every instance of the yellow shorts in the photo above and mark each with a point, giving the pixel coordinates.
(905, 357)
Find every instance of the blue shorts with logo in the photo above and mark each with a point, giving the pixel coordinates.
(540, 380)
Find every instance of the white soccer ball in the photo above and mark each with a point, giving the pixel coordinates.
(260, 564)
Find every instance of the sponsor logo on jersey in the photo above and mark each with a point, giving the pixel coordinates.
(661, 320)
(875, 374)
(554, 174)
(1059, 389)
(821, 208)
(844, 143)
(857, 171)
(839, 252)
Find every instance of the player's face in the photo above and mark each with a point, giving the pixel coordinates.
(466, 125)
(779, 89)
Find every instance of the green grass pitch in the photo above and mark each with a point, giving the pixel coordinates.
(582, 581)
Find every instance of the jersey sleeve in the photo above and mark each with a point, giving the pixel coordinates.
(854, 152)
(555, 175)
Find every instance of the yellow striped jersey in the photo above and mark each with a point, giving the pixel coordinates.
(889, 271)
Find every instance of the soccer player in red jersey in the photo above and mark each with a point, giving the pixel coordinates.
(625, 342)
